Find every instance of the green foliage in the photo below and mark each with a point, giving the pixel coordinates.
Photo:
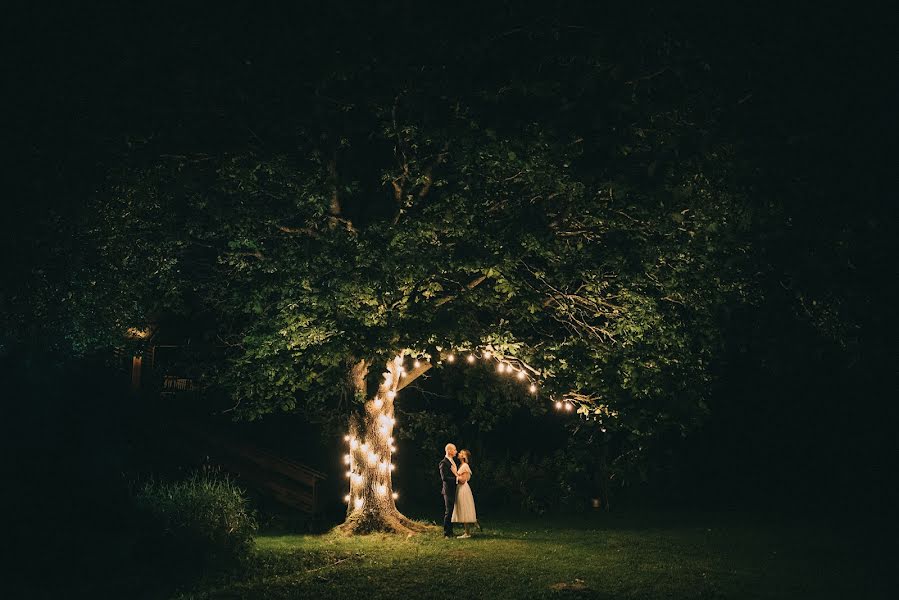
(200, 521)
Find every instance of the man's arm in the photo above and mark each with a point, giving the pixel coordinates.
(446, 473)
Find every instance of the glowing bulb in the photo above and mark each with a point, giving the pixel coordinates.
(354, 443)
(558, 404)
(568, 407)
(520, 375)
(470, 358)
(378, 403)
(390, 441)
(392, 467)
(346, 498)
(372, 458)
(391, 395)
(359, 502)
(358, 479)
(346, 459)
(383, 430)
(346, 438)
(451, 358)
(417, 363)
(364, 447)
(382, 466)
(395, 495)
(500, 367)
(487, 354)
(382, 489)
(392, 421)
(349, 473)
(533, 388)
(402, 370)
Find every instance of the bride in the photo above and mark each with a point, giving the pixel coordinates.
(464, 510)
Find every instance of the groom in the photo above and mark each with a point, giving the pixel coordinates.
(447, 468)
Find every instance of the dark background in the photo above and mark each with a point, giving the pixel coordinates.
(801, 419)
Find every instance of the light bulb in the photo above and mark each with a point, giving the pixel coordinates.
(395, 495)
(390, 440)
(359, 502)
(382, 466)
(520, 375)
(364, 447)
(392, 466)
(346, 438)
(382, 430)
(346, 459)
(346, 498)
(487, 354)
(451, 358)
(393, 449)
(558, 404)
(378, 403)
(500, 367)
(372, 458)
(391, 395)
(349, 473)
(417, 363)
(382, 489)
(354, 443)
(533, 388)
(470, 358)
(568, 407)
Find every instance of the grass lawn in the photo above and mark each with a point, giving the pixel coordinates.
(590, 556)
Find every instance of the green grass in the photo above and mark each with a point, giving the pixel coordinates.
(590, 556)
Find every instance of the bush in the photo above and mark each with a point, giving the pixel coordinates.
(198, 522)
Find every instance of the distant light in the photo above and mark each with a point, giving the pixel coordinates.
(392, 466)
(500, 367)
(417, 363)
(346, 459)
(349, 473)
(346, 498)
(568, 407)
(346, 438)
(558, 405)
(533, 388)
(520, 375)
(487, 354)
(451, 358)
(395, 495)
(470, 358)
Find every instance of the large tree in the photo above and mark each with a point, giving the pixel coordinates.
(582, 227)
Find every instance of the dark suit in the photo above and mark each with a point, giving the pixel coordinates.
(449, 493)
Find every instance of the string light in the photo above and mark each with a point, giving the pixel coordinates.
(558, 405)
(520, 375)
(378, 403)
(364, 447)
(346, 438)
(359, 503)
(487, 354)
(470, 358)
(451, 358)
(354, 443)
(382, 466)
(392, 466)
(533, 388)
(500, 367)
(390, 441)
(383, 430)
(382, 489)
(349, 473)
(395, 495)
(417, 363)
(391, 395)
(346, 459)
(372, 458)
(346, 498)
(568, 407)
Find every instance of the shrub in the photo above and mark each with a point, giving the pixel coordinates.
(197, 522)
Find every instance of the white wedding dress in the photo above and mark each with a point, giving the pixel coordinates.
(464, 510)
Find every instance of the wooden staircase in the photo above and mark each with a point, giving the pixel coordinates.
(287, 482)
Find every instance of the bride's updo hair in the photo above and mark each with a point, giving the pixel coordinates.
(465, 454)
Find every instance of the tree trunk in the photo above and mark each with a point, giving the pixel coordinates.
(371, 503)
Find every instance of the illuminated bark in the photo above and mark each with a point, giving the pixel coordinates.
(371, 505)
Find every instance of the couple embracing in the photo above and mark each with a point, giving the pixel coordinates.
(458, 502)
